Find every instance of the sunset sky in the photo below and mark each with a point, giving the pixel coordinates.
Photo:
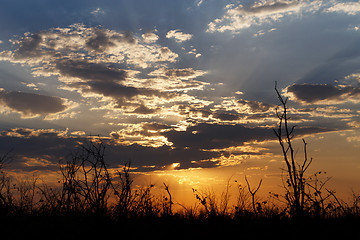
(184, 89)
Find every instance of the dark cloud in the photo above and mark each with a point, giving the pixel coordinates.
(124, 94)
(90, 71)
(155, 126)
(147, 130)
(218, 136)
(43, 149)
(227, 116)
(114, 90)
(53, 146)
(269, 7)
(145, 110)
(179, 72)
(323, 93)
(185, 110)
(29, 46)
(22, 132)
(256, 106)
(100, 42)
(32, 104)
(125, 37)
(160, 157)
(105, 80)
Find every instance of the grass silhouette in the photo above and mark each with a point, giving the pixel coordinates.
(91, 202)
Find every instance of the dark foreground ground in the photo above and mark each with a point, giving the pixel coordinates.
(90, 227)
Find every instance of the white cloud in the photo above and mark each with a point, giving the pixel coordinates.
(178, 35)
(195, 53)
(262, 32)
(79, 42)
(350, 8)
(354, 28)
(353, 77)
(149, 37)
(239, 17)
(97, 12)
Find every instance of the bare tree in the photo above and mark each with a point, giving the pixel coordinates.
(86, 180)
(6, 196)
(253, 193)
(124, 192)
(25, 199)
(296, 181)
(167, 205)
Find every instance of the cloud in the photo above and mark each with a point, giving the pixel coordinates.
(217, 136)
(145, 110)
(89, 71)
(221, 136)
(239, 17)
(171, 79)
(97, 12)
(30, 104)
(186, 73)
(163, 156)
(42, 149)
(243, 111)
(322, 93)
(125, 96)
(106, 81)
(350, 8)
(98, 62)
(150, 37)
(95, 44)
(29, 46)
(255, 106)
(266, 8)
(46, 144)
(100, 41)
(227, 116)
(179, 36)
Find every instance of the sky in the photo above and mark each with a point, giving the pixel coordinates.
(184, 89)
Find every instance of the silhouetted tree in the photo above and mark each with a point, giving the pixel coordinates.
(123, 192)
(253, 193)
(6, 197)
(86, 180)
(296, 182)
